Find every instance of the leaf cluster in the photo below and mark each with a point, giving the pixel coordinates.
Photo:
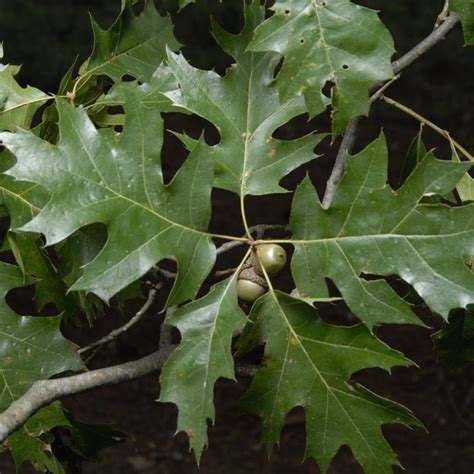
(92, 216)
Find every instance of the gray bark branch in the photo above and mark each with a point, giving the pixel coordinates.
(398, 66)
(43, 392)
(116, 332)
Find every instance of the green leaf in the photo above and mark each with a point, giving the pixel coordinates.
(184, 3)
(465, 8)
(80, 249)
(36, 265)
(22, 199)
(133, 45)
(416, 153)
(371, 230)
(31, 348)
(327, 41)
(245, 108)
(88, 440)
(465, 187)
(26, 445)
(309, 363)
(455, 342)
(151, 94)
(204, 355)
(95, 176)
(17, 104)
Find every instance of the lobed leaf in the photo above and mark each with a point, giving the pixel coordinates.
(95, 176)
(334, 42)
(309, 363)
(31, 348)
(133, 45)
(204, 355)
(26, 444)
(245, 108)
(17, 104)
(372, 230)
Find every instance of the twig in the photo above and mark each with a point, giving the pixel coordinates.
(429, 123)
(259, 230)
(379, 93)
(165, 273)
(43, 392)
(116, 332)
(222, 273)
(166, 331)
(424, 46)
(398, 66)
(347, 144)
(228, 246)
(443, 15)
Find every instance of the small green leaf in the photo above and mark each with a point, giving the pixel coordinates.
(309, 363)
(133, 45)
(26, 445)
(371, 230)
(184, 3)
(245, 108)
(17, 104)
(36, 265)
(31, 348)
(465, 9)
(335, 42)
(416, 153)
(465, 187)
(22, 199)
(204, 355)
(455, 342)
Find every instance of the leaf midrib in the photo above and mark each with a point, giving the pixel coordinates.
(318, 373)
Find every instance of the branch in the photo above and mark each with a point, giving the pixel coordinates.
(398, 66)
(443, 15)
(347, 144)
(424, 46)
(43, 392)
(116, 332)
(166, 331)
(429, 123)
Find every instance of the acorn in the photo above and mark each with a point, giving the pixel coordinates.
(250, 285)
(272, 257)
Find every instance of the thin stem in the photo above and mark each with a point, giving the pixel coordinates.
(345, 149)
(222, 273)
(166, 331)
(258, 229)
(443, 15)
(429, 123)
(244, 218)
(116, 332)
(424, 46)
(229, 237)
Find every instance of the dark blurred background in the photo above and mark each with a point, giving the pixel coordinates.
(46, 36)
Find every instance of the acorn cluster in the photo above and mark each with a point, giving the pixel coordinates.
(252, 284)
